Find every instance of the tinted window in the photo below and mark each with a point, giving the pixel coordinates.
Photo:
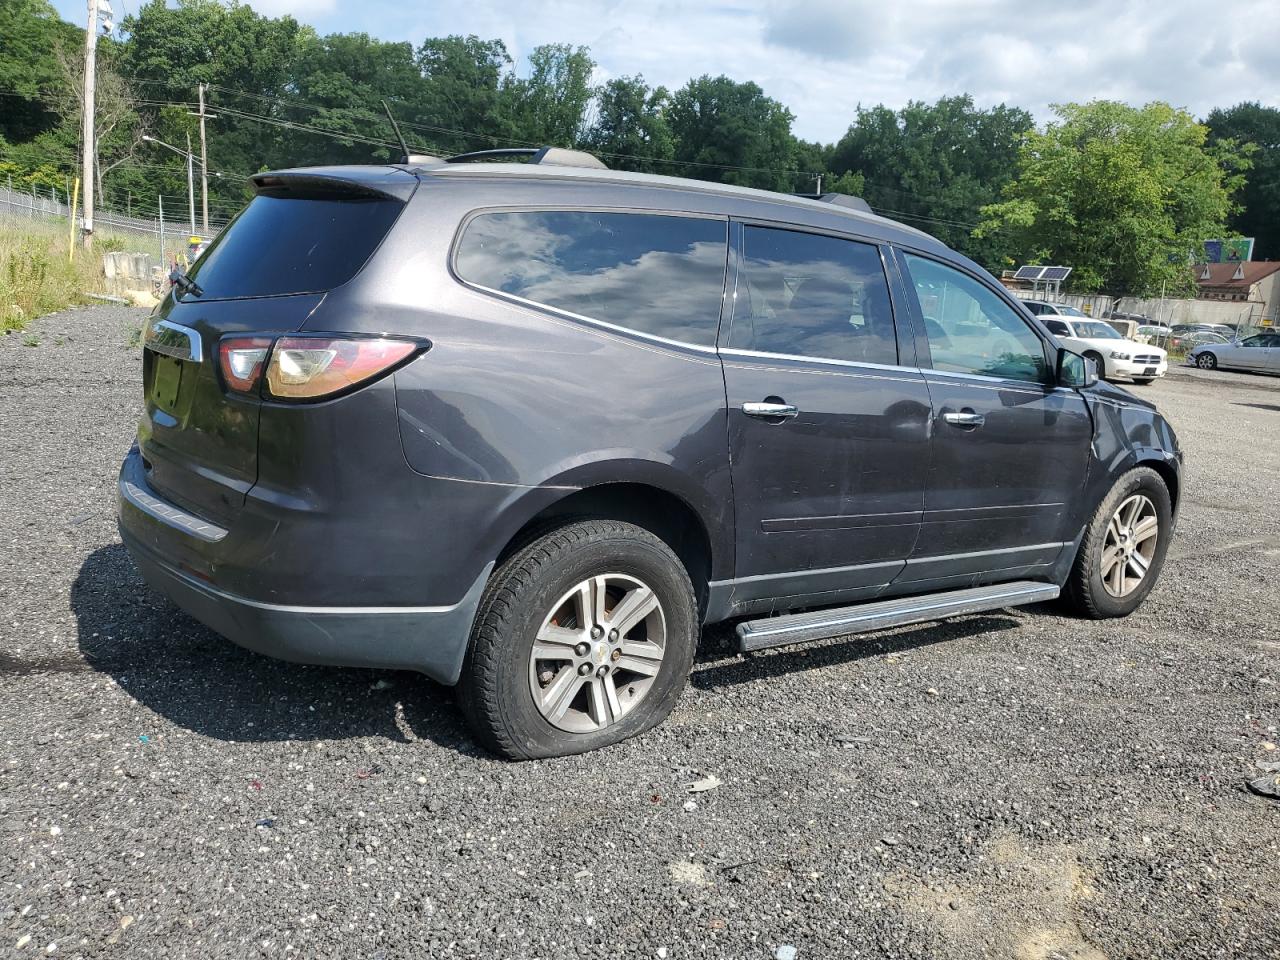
(293, 244)
(659, 275)
(1036, 308)
(970, 329)
(812, 296)
(1058, 327)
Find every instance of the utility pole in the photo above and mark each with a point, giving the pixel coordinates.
(88, 148)
(191, 190)
(204, 169)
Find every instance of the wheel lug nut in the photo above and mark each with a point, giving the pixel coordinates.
(596, 633)
(581, 649)
(617, 655)
(584, 669)
(604, 668)
(613, 634)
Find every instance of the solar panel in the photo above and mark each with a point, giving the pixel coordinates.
(1028, 273)
(1055, 273)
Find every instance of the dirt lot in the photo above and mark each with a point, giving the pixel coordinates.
(1014, 785)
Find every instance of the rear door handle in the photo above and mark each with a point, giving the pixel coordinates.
(771, 411)
(965, 418)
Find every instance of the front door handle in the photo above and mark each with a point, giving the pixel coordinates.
(965, 419)
(770, 410)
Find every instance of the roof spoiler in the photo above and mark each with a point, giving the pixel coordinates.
(839, 200)
(305, 181)
(545, 156)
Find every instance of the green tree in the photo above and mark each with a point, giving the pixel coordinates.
(935, 165)
(732, 133)
(1259, 213)
(550, 105)
(31, 34)
(462, 81)
(1124, 195)
(631, 127)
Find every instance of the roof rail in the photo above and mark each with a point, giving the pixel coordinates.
(839, 199)
(546, 156)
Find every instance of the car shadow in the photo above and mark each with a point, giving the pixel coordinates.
(1257, 406)
(177, 667)
(725, 668)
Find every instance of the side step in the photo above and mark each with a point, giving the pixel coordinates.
(865, 617)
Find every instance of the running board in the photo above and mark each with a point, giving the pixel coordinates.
(865, 617)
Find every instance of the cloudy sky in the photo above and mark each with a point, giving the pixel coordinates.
(823, 57)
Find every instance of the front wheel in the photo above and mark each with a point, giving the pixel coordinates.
(1099, 363)
(582, 639)
(1207, 361)
(1123, 548)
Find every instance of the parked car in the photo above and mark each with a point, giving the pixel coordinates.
(1179, 329)
(526, 427)
(1045, 308)
(1114, 355)
(1259, 353)
(1197, 337)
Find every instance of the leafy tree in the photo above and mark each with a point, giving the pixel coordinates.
(732, 133)
(31, 33)
(1259, 214)
(631, 125)
(934, 165)
(345, 76)
(550, 105)
(1125, 195)
(462, 81)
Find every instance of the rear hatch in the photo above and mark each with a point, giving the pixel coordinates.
(303, 234)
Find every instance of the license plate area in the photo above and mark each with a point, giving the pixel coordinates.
(1149, 372)
(166, 383)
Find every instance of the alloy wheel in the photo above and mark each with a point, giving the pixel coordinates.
(597, 653)
(1130, 545)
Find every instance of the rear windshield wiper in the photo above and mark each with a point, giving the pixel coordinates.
(185, 283)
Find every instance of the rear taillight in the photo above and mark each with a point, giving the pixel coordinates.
(241, 360)
(309, 368)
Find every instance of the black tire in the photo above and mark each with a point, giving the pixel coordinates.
(1099, 362)
(1085, 593)
(1207, 361)
(494, 689)
(1142, 381)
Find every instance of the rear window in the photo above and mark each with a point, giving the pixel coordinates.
(661, 275)
(285, 244)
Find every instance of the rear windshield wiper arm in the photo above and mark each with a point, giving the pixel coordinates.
(185, 283)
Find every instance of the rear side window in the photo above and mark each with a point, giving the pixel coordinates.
(1058, 327)
(285, 244)
(813, 296)
(655, 274)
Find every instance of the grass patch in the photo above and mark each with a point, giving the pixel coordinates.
(36, 277)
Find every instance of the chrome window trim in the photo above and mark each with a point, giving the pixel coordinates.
(162, 334)
(872, 368)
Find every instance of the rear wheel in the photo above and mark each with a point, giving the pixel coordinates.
(1207, 361)
(1123, 548)
(583, 638)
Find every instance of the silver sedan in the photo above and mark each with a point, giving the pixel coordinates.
(1259, 353)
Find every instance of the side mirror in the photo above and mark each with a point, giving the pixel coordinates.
(1074, 370)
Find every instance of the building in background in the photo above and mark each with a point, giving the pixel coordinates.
(1252, 282)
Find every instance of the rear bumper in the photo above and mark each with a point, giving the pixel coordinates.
(431, 639)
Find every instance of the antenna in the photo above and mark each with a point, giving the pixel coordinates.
(396, 127)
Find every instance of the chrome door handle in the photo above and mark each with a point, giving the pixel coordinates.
(771, 411)
(964, 419)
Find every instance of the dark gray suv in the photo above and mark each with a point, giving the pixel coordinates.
(526, 427)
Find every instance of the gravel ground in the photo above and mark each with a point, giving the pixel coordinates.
(1012, 785)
